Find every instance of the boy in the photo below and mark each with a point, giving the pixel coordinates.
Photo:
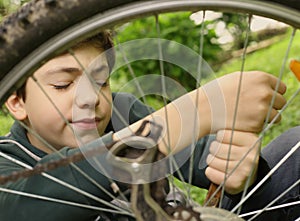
(90, 110)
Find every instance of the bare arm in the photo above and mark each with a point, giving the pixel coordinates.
(215, 105)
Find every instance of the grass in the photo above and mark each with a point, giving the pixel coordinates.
(5, 123)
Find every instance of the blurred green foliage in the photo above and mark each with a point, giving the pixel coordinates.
(180, 28)
(9, 6)
(177, 27)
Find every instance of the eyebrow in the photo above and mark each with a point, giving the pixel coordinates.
(74, 70)
(98, 69)
(70, 70)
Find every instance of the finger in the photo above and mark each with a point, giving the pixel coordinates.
(274, 114)
(220, 164)
(274, 84)
(225, 151)
(239, 138)
(279, 102)
(214, 175)
(234, 184)
(233, 167)
(217, 176)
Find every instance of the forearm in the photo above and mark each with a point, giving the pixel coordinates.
(183, 120)
(212, 107)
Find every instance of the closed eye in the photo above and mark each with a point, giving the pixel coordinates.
(102, 83)
(61, 87)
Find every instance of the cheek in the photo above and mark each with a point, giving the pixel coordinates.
(106, 101)
(44, 108)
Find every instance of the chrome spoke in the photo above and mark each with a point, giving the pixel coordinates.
(272, 171)
(268, 207)
(65, 202)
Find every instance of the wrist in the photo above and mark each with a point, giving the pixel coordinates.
(202, 104)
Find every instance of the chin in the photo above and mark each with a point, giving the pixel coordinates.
(86, 139)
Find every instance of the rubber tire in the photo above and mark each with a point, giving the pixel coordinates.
(39, 20)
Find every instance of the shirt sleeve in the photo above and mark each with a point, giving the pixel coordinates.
(199, 154)
(48, 199)
(42, 192)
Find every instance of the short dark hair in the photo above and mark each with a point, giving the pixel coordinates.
(103, 40)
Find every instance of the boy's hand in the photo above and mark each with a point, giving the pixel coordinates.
(243, 143)
(257, 90)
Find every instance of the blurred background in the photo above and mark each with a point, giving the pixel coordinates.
(223, 47)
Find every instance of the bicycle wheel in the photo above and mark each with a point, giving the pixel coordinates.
(44, 29)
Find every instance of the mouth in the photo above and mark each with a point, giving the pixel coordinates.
(86, 123)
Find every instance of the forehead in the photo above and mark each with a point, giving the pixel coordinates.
(82, 58)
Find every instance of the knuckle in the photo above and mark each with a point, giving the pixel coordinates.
(209, 159)
(213, 147)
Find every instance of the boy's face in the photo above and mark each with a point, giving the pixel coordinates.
(85, 105)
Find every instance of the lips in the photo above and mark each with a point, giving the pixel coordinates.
(86, 123)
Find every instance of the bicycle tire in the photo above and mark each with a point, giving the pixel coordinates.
(294, 4)
(40, 20)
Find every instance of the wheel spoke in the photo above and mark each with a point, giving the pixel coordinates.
(58, 181)
(272, 171)
(268, 207)
(112, 18)
(246, 42)
(65, 202)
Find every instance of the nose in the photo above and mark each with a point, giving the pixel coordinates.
(87, 96)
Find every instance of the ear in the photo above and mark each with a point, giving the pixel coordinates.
(16, 106)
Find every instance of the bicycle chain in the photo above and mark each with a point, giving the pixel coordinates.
(65, 161)
(51, 165)
(148, 200)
